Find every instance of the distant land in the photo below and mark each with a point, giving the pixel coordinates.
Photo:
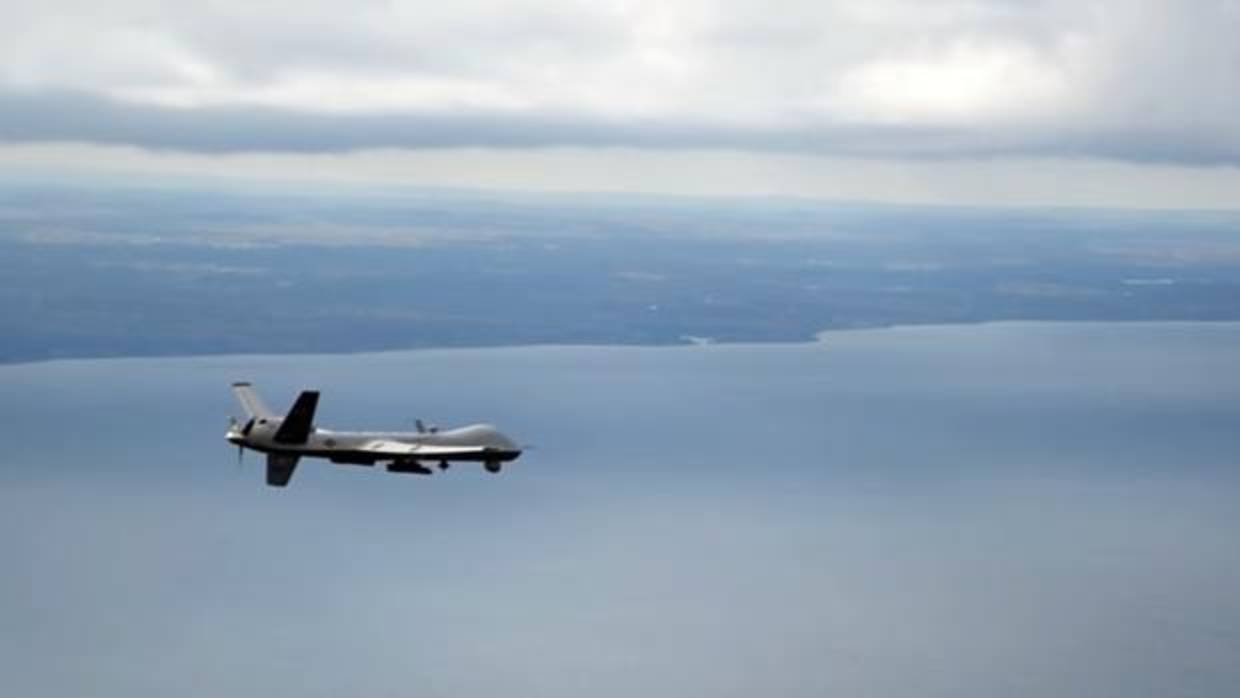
(100, 270)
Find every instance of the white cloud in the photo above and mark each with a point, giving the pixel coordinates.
(968, 81)
(891, 80)
(893, 61)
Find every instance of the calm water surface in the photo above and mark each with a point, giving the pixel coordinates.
(1012, 509)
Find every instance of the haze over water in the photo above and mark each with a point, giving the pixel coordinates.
(1014, 509)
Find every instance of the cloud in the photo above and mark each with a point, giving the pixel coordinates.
(890, 78)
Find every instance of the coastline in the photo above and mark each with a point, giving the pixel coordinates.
(685, 342)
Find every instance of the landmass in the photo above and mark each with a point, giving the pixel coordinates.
(106, 270)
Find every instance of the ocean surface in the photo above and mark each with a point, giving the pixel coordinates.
(1014, 509)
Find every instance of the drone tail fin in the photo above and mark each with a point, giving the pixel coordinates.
(250, 401)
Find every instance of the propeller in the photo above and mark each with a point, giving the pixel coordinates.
(232, 427)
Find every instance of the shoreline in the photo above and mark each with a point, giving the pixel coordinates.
(685, 342)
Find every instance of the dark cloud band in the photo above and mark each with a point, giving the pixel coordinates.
(63, 116)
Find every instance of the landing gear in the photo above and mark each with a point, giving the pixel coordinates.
(492, 466)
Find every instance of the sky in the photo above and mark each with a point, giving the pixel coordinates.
(961, 101)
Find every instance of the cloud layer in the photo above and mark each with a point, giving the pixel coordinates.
(886, 78)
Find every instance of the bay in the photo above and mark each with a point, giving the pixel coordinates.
(1020, 509)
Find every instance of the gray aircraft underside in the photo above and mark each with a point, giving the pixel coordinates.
(286, 439)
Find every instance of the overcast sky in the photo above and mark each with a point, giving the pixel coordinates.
(1004, 101)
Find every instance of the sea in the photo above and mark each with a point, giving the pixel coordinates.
(1014, 509)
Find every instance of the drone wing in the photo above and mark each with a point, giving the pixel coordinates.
(299, 422)
(280, 468)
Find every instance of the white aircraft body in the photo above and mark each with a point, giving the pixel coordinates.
(287, 439)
